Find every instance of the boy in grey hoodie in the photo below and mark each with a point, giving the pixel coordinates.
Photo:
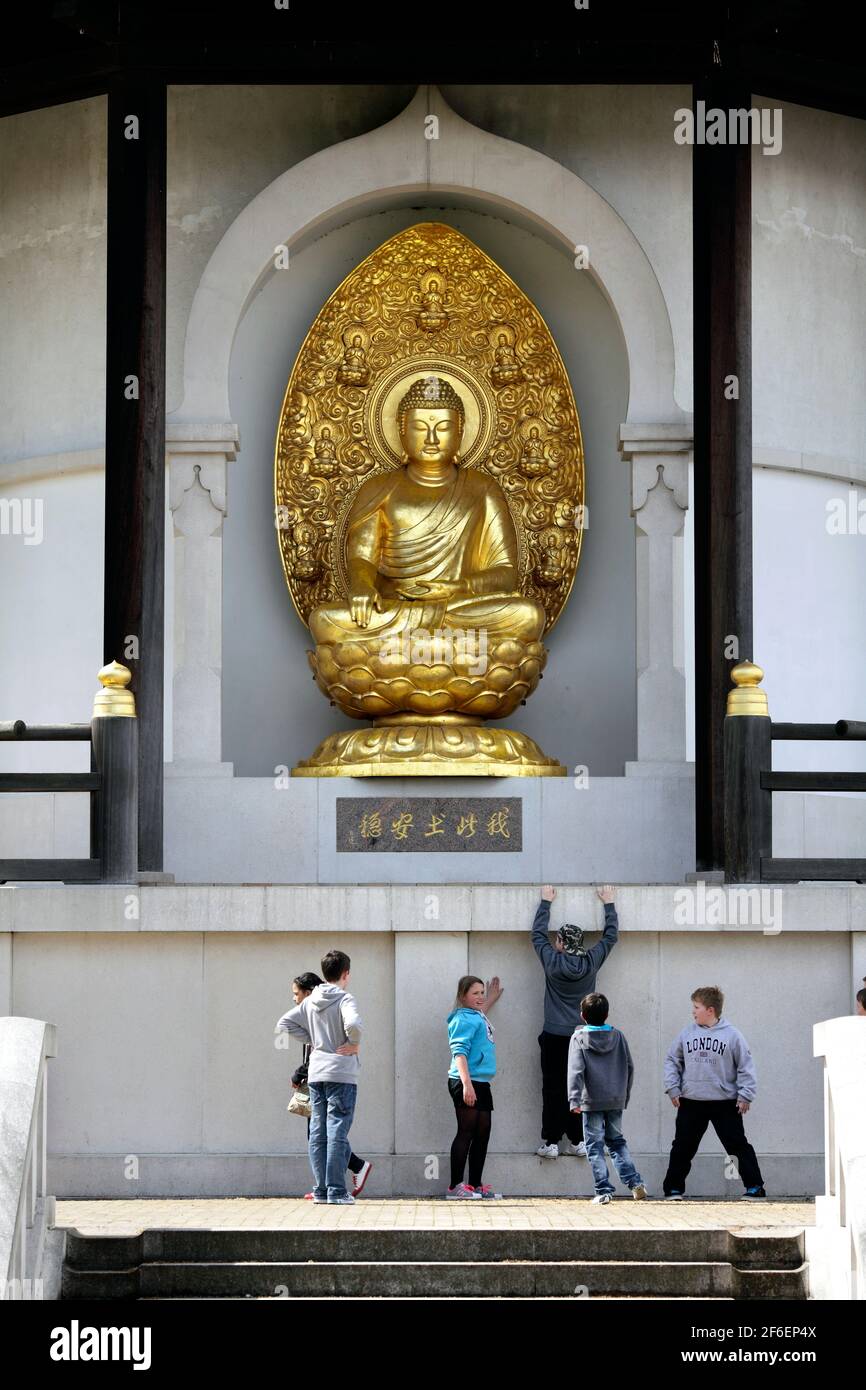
(328, 1019)
(710, 1078)
(600, 1073)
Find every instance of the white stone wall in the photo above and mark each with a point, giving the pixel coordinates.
(166, 1052)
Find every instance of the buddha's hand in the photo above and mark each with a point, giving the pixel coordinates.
(362, 601)
(412, 588)
(420, 589)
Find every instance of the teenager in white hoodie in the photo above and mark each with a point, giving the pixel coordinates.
(328, 1019)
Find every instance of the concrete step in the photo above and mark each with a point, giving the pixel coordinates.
(765, 1248)
(504, 1278)
(447, 1263)
(444, 1298)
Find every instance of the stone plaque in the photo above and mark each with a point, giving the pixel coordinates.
(429, 824)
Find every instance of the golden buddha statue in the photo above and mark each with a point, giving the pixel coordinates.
(428, 585)
(430, 545)
(432, 559)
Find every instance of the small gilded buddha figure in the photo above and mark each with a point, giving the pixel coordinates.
(430, 544)
(506, 368)
(324, 465)
(550, 569)
(304, 563)
(354, 370)
(533, 460)
(432, 316)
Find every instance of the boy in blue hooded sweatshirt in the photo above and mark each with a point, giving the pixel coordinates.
(473, 1067)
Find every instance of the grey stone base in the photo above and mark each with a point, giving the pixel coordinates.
(288, 1175)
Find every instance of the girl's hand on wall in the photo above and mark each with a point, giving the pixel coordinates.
(493, 991)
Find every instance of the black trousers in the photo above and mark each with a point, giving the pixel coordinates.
(693, 1116)
(556, 1118)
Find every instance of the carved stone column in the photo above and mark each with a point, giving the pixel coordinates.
(198, 457)
(659, 457)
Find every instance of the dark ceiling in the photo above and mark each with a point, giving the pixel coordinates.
(794, 50)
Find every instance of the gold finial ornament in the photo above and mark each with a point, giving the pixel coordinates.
(114, 700)
(444, 541)
(746, 698)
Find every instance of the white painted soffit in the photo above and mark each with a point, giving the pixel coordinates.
(387, 167)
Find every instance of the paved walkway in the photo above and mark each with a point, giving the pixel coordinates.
(123, 1217)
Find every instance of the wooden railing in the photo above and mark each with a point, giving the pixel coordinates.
(112, 785)
(750, 782)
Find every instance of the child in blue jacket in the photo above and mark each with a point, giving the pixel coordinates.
(473, 1067)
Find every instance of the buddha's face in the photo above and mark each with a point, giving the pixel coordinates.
(431, 436)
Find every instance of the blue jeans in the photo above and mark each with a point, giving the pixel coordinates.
(333, 1105)
(602, 1127)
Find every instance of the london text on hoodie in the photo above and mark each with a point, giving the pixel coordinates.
(711, 1064)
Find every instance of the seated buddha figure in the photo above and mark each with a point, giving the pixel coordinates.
(432, 544)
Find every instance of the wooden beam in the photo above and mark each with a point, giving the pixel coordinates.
(814, 781)
(49, 870)
(19, 732)
(135, 424)
(807, 870)
(722, 451)
(49, 782)
(748, 803)
(842, 730)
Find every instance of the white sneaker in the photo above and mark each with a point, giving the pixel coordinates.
(572, 1150)
(360, 1178)
(347, 1201)
(601, 1199)
(548, 1151)
(463, 1193)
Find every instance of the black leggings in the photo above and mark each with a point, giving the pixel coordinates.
(470, 1141)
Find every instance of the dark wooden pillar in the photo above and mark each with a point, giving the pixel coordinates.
(723, 450)
(135, 424)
